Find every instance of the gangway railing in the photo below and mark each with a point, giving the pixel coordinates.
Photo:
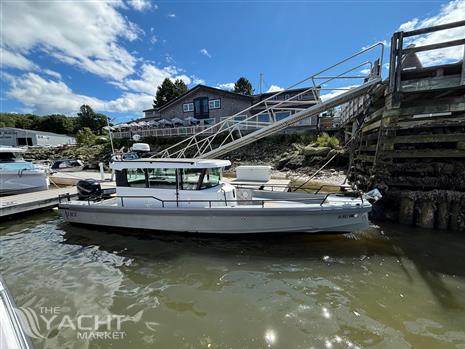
(226, 135)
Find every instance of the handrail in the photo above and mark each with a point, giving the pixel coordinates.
(225, 201)
(398, 51)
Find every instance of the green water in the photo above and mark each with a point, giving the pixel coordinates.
(387, 287)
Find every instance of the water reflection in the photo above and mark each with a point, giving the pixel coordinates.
(385, 287)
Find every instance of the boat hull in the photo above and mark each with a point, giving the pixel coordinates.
(228, 220)
(14, 182)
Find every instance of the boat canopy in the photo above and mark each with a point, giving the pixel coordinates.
(5, 149)
(169, 163)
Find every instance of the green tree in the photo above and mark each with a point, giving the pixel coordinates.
(88, 118)
(57, 123)
(243, 86)
(181, 87)
(168, 91)
(85, 137)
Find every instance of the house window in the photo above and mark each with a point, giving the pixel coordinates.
(187, 107)
(300, 97)
(214, 104)
(286, 96)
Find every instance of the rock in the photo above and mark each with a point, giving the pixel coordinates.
(310, 150)
(295, 161)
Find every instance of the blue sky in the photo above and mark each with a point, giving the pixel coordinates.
(56, 56)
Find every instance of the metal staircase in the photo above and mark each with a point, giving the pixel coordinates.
(229, 134)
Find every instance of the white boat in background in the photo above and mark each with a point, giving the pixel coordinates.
(189, 195)
(12, 334)
(67, 165)
(18, 175)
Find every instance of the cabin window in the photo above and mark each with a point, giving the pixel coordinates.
(211, 178)
(162, 178)
(121, 178)
(190, 178)
(136, 178)
(7, 157)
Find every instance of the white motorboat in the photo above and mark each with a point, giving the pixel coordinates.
(18, 175)
(189, 195)
(12, 333)
(67, 165)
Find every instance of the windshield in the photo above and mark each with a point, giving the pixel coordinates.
(10, 156)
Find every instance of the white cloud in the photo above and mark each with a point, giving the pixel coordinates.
(197, 81)
(153, 39)
(141, 5)
(205, 52)
(169, 59)
(333, 93)
(53, 73)
(171, 15)
(81, 33)
(228, 86)
(43, 96)
(365, 71)
(451, 12)
(274, 88)
(15, 60)
(151, 77)
(410, 25)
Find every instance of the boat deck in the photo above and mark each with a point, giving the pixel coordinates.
(278, 184)
(71, 178)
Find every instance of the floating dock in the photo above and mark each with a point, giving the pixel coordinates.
(20, 203)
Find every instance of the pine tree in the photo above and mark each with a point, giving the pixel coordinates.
(243, 86)
(168, 91)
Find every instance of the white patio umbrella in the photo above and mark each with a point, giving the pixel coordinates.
(152, 123)
(165, 122)
(192, 121)
(177, 121)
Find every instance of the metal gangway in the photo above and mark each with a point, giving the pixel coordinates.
(228, 134)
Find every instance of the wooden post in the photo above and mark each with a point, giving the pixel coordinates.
(407, 208)
(463, 67)
(425, 218)
(392, 63)
(443, 214)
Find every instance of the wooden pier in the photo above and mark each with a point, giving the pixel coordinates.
(408, 138)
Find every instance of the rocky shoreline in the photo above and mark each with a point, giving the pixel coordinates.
(295, 160)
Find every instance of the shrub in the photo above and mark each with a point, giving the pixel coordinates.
(325, 140)
(85, 137)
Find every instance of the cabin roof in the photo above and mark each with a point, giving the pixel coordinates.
(169, 163)
(6, 149)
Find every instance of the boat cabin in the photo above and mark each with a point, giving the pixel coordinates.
(11, 154)
(11, 159)
(172, 183)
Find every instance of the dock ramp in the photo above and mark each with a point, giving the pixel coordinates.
(234, 132)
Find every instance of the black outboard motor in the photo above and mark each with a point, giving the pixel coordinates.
(88, 189)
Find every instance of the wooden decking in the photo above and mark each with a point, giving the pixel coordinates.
(20, 203)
